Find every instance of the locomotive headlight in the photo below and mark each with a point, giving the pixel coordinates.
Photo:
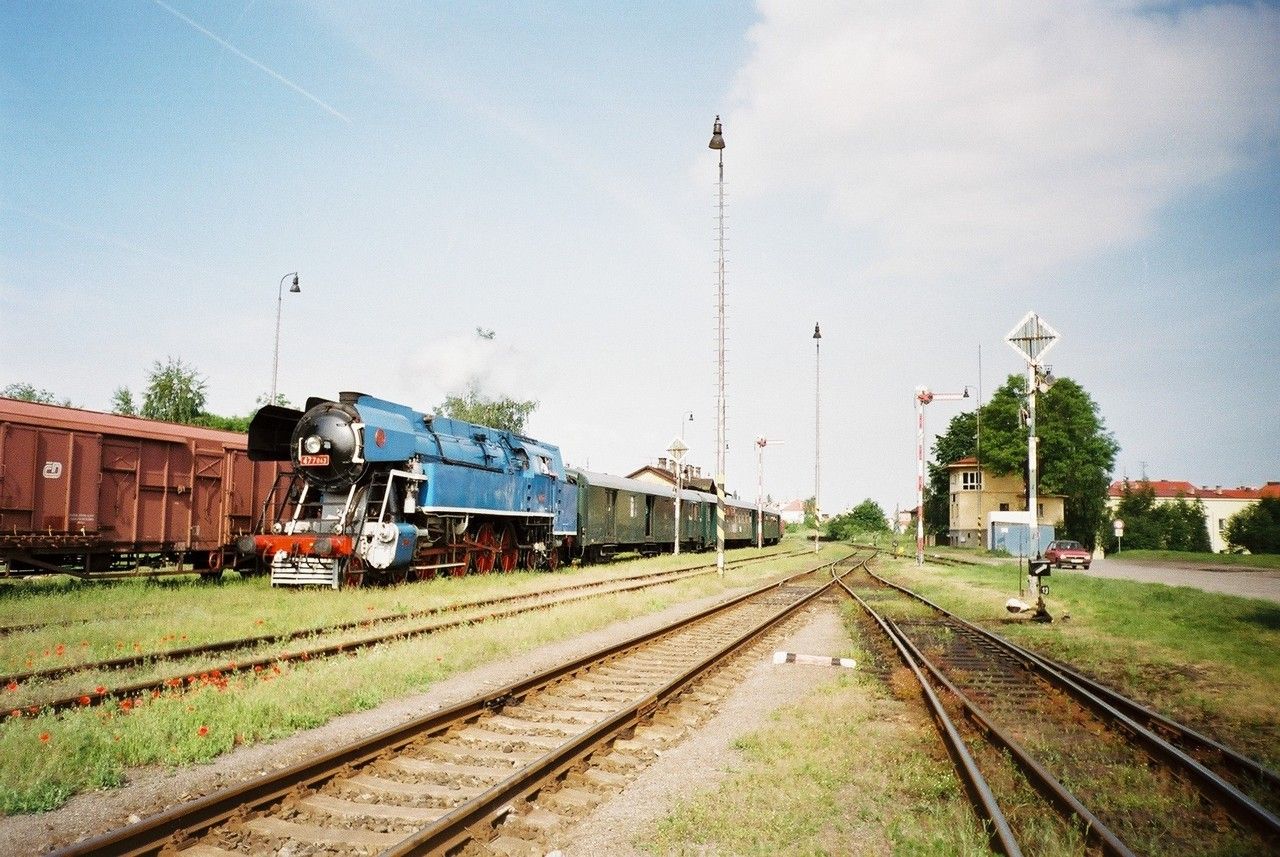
(312, 444)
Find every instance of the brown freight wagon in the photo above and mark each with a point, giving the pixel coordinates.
(86, 491)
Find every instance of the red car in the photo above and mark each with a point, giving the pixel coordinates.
(1067, 554)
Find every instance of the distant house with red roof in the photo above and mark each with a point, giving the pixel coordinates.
(793, 512)
(1219, 503)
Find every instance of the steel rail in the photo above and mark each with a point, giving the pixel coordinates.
(190, 677)
(1048, 784)
(980, 793)
(1243, 808)
(178, 824)
(130, 661)
(455, 827)
(1243, 765)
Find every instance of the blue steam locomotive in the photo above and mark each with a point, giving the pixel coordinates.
(379, 489)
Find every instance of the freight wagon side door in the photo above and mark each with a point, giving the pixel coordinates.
(164, 494)
(84, 466)
(207, 519)
(118, 491)
(239, 493)
(18, 475)
(59, 504)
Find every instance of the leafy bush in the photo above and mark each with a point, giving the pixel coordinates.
(1257, 528)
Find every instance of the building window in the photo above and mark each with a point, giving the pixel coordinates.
(1004, 507)
(971, 480)
(1222, 526)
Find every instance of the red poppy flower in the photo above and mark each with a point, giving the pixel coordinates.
(101, 689)
(84, 700)
(126, 704)
(44, 737)
(12, 685)
(60, 650)
(17, 712)
(202, 731)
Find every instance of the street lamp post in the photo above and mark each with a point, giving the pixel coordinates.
(717, 143)
(275, 363)
(817, 431)
(761, 443)
(923, 397)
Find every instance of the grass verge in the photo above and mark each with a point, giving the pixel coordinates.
(851, 769)
(46, 758)
(1209, 660)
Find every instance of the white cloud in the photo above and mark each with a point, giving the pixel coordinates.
(450, 365)
(1005, 138)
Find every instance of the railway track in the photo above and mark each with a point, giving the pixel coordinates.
(496, 774)
(1028, 734)
(200, 671)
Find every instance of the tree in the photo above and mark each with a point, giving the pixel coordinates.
(122, 402)
(1148, 525)
(175, 392)
(475, 407)
(1256, 528)
(1075, 454)
(25, 392)
(865, 519)
(811, 512)
(959, 441)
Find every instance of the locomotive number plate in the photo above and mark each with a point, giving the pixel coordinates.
(313, 460)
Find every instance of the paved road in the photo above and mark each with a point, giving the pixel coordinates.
(1259, 583)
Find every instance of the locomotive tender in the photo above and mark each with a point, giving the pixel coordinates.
(378, 487)
(383, 490)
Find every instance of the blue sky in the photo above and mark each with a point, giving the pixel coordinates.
(916, 177)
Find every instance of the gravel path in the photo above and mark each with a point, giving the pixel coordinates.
(699, 763)
(150, 790)
(1250, 583)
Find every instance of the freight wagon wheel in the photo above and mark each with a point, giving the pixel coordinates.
(486, 548)
(509, 554)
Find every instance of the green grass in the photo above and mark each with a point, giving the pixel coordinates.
(1207, 659)
(46, 758)
(848, 770)
(1236, 560)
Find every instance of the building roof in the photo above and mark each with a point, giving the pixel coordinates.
(967, 461)
(1170, 489)
(696, 483)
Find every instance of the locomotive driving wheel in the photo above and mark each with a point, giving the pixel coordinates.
(352, 574)
(508, 554)
(485, 549)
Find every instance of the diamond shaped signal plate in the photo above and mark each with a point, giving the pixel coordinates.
(677, 449)
(1032, 338)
